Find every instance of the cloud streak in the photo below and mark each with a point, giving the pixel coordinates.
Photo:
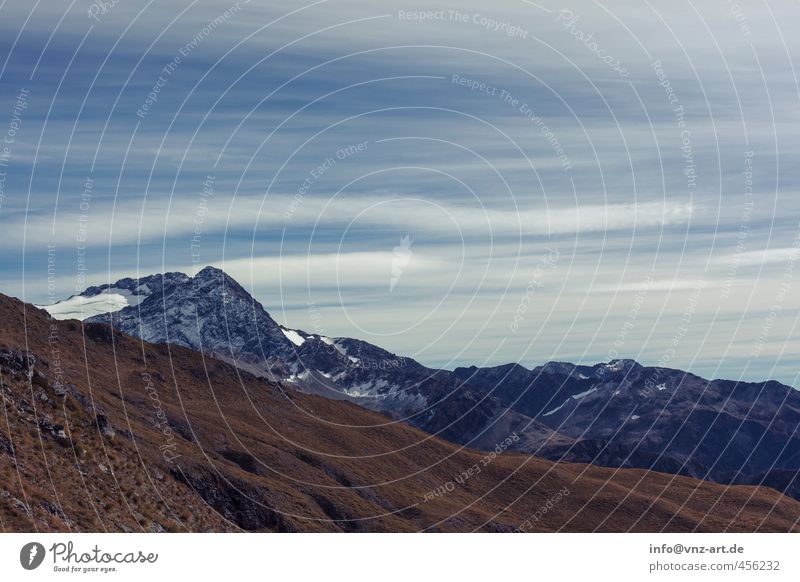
(473, 173)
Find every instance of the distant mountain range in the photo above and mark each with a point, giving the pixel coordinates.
(615, 414)
(103, 432)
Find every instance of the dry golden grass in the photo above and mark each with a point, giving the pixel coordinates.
(256, 456)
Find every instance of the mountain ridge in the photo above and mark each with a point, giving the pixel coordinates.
(616, 414)
(157, 437)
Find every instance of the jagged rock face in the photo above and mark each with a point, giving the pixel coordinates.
(210, 312)
(142, 288)
(626, 415)
(213, 313)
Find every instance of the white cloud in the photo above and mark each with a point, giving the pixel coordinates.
(657, 285)
(763, 257)
(128, 222)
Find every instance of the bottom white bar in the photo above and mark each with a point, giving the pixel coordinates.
(371, 557)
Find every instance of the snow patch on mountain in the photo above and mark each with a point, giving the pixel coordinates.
(302, 376)
(293, 336)
(80, 307)
(333, 343)
(551, 412)
(108, 300)
(584, 394)
(358, 391)
(367, 389)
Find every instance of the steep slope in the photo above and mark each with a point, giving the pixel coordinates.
(617, 414)
(209, 312)
(213, 313)
(101, 431)
(626, 415)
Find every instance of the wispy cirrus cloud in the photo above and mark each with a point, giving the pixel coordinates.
(475, 176)
(131, 221)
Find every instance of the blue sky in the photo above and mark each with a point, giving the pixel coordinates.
(608, 180)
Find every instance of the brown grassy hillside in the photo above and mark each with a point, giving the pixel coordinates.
(101, 432)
